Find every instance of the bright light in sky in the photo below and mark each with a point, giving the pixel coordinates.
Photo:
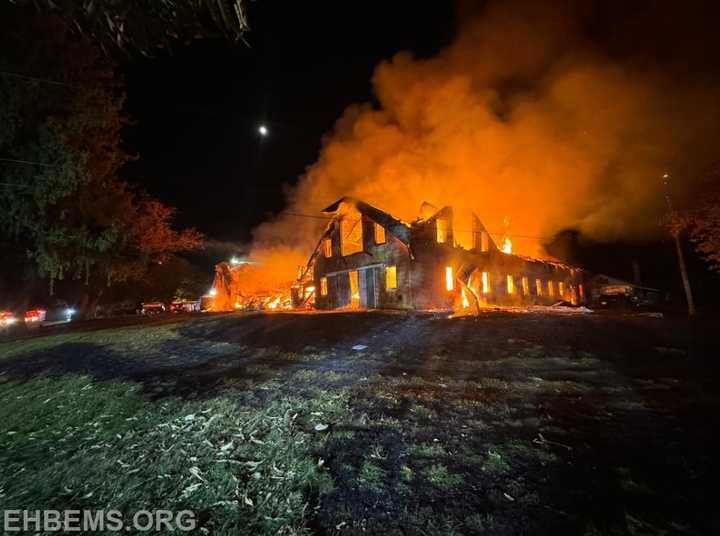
(262, 130)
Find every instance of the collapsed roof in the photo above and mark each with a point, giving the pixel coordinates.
(394, 226)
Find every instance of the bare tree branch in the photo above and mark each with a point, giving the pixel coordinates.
(147, 25)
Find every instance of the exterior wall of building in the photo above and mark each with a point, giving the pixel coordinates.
(371, 266)
(566, 283)
(428, 274)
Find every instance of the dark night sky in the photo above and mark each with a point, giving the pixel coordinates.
(197, 111)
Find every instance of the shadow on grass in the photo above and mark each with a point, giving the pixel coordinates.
(294, 332)
(187, 380)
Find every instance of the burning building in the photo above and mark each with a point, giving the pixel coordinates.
(366, 258)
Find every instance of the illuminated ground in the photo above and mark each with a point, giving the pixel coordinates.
(503, 424)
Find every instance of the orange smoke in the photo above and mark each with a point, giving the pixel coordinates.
(273, 269)
(521, 119)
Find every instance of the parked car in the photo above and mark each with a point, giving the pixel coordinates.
(185, 306)
(35, 315)
(7, 319)
(153, 308)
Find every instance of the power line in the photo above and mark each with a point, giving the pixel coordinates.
(27, 162)
(13, 161)
(503, 234)
(36, 79)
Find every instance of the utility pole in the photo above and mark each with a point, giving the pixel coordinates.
(675, 229)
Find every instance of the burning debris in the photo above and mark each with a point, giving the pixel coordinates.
(242, 286)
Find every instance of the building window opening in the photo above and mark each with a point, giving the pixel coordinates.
(449, 280)
(379, 234)
(486, 283)
(354, 289)
(323, 286)
(442, 230)
(351, 240)
(391, 277)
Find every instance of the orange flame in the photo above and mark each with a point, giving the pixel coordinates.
(449, 280)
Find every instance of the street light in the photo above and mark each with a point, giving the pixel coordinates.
(263, 130)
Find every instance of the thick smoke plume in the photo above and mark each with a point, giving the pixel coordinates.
(530, 119)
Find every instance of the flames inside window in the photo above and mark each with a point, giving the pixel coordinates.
(449, 280)
(351, 238)
(538, 287)
(525, 286)
(485, 283)
(561, 289)
(551, 289)
(354, 289)
(442, 230)
(379, 234)
(323, 286)
(510, 284)
(327, 247)
(308, 291)
(390, 277)
(582, 291)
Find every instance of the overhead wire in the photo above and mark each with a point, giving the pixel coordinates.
(503, 234)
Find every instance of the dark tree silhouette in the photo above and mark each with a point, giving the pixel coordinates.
(64, 212)
(142, 25)
(705, 229)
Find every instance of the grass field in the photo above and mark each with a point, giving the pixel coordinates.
(274, 424)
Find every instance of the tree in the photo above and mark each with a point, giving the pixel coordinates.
(64, 213)
(60, 199)
(148, 239)
(705, 230)
(141, 25)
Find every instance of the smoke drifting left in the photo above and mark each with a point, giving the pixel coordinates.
(541, 114)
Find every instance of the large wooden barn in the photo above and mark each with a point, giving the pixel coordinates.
(366, 258)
